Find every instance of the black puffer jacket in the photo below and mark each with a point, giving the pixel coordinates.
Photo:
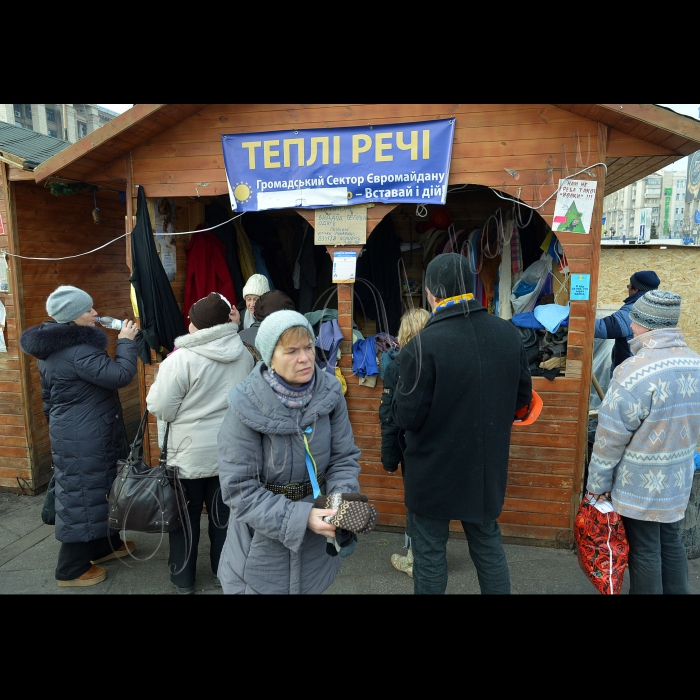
(392, 435)
(79, 385)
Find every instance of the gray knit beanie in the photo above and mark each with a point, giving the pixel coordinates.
(67, 303)
(272, 328)
(448, 275)
(657, 309)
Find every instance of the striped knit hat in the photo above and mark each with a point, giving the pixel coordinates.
(657, 309)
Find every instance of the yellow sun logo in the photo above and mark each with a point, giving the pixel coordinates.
(242, 192)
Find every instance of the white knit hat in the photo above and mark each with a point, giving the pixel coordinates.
(256, 284)
(272, 328)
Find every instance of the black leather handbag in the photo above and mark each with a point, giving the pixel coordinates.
(145, 499)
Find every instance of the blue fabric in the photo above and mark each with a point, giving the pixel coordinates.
(260, 266)
(527, 319)
(523, 288)
(329, 338)
(364, 358)
(617, 326)
(696, 457)
(551, 315)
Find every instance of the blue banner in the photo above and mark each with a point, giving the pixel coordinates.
(697, 217)
(315, 168)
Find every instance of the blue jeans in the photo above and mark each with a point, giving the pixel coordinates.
(429, 539)
(658, 562)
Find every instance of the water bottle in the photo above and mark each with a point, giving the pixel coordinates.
(109, 322)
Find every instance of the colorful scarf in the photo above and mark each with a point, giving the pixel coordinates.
(450, 301)
(293, 397)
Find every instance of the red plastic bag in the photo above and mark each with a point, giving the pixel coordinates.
(602, 546)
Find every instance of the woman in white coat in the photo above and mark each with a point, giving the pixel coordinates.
(191, 393)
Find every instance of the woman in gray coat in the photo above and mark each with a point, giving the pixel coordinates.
(286, 426)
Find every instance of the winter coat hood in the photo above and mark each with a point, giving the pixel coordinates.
(257, 406)
(219, 343)
(46, 338)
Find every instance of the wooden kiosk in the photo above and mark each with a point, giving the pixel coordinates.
(520, 151)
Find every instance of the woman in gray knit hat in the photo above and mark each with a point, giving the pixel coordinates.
(285, 442)
(79, 387)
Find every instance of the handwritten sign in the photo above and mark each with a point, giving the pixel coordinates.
(344, 264)
(574, 206)
(341, 226)
(580, 287)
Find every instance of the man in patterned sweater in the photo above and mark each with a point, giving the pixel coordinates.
(648, 427)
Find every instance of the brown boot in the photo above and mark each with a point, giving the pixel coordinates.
(126, 548)
(95, 574)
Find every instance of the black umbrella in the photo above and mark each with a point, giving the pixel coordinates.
(160, 316)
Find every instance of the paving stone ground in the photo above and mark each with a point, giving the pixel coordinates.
(28, 553)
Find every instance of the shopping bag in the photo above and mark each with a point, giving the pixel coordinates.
(601, 545)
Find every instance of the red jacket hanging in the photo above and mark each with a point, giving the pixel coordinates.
(206, 271)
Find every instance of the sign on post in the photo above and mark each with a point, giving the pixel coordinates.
(341, 226)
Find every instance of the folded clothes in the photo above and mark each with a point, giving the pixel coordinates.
(551, 315)
(527, 319)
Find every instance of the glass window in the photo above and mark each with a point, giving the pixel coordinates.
(50, 115)
(53, 133)
(28, 111)
(82, 129)
(18, 112)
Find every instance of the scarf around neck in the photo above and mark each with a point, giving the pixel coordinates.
(293, 397)
(450, 301)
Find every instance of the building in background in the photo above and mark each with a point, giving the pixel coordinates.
(691, 219)
(66, 122)
(657, 201)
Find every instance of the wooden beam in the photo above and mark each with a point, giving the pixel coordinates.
(96, 138)
(16, 174)
(661, 118)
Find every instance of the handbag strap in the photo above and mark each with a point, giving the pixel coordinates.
(164, 451)
(137, 444)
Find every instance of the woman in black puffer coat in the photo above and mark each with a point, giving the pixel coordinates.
(79, 385)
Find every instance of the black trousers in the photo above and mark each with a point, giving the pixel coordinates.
(74, 557)
(199, 491)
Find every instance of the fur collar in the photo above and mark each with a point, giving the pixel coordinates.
(47, 338)
(206, 335)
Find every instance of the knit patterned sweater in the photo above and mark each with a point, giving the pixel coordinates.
(648, 427)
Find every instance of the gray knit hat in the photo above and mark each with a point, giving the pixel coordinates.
(272, 328)
(657, 309)
(448, 275)
(67, 303)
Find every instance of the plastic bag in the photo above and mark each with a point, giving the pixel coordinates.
(524, 296)
(601, 545)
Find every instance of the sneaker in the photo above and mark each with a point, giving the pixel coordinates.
(95, 574)
(184, 590)
(127, 548)
(404, 564)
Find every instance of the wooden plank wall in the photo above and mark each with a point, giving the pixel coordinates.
(521, 150)
(15, 430)
(50, 226)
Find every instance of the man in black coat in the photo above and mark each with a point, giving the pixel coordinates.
(461, 381)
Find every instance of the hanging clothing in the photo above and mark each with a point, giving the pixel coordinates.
(364, 358)
(207, 271)
(379, 265)
(159, 313)
(328, 340)
(260, 266)
(245, 251)
(304, 274)
(216, 214)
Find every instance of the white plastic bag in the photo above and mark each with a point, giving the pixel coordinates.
(536, 274)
